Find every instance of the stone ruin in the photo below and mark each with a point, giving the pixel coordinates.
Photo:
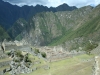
(20, 43)
(96, 67)
(19, 64)
(3, 46)
(2, 50)
(17, 67)
(53, 54)
(3, 55)
(58, 52)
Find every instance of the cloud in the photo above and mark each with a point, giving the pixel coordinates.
(97, 2)
(55, 3)
(80, 3)
(27, 2)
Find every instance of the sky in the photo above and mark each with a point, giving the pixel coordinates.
(55, 3)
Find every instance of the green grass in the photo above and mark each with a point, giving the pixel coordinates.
(69, 66)
(6, 59)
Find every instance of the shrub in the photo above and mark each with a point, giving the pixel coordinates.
(9, 53)
(36, 51)
(43, 54)
(18, 53)
(90, 47)
(27, 59)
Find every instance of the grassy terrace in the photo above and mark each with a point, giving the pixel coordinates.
(4, 60)
(70, 66)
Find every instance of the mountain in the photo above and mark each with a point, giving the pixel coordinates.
(77, 29)
(65, 7)
(10, 13)
(49, 28)
(73, 29)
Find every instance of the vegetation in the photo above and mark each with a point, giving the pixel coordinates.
(26, 58)
(18, 53)
(43, 54)
(68, 66)
(3, 34)
(19, 56)
(91, 27)
(90, 46)
(19, 26)
(36, 51)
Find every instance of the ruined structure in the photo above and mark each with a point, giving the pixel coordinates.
(19, 64)
(96, 68)
(58, 52)
(3, 46)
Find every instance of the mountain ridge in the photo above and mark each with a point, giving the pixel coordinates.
(10, 13)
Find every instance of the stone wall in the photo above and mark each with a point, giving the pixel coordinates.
(96, 67)
(58, 52)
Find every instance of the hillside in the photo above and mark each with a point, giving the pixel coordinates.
(72, 29)
(17, 28)
(88, 30)
(47, 27)
(3, 34)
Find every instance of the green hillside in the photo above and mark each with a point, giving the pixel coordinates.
(88, 30)
(3, 34)
(19, 26)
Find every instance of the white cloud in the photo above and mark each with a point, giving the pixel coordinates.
(55, 3)
(80, 3)
(97, 2)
